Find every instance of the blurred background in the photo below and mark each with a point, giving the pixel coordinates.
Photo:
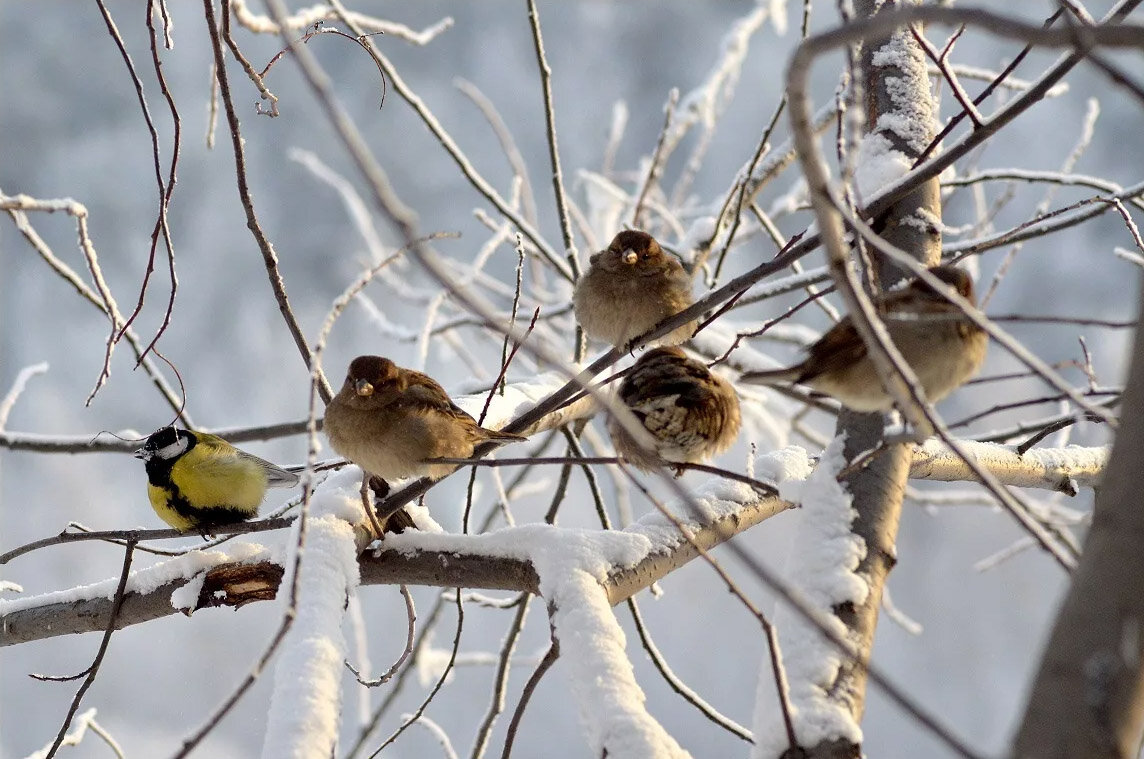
(71, 125)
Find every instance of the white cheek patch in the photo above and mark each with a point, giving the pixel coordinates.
(174, 449)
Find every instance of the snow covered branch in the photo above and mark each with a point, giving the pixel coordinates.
(1062, 469)
(500, 560)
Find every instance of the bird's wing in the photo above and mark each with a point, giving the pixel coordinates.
(423, 394)
(840, 347)
(224, 458)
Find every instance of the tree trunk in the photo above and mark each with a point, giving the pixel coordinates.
(1088, 697)
(879, 488)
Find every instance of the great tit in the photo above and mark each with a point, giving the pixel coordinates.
(197, 481)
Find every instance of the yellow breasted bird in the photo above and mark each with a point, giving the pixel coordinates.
(197, 481)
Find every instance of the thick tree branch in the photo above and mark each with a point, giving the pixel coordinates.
(466, 561)
(1088, 697)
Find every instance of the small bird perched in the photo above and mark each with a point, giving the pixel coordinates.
(196, 481)
(393, 422)
(630, 287)
(941, 345)
(690, 413)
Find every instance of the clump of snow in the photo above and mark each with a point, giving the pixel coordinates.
(878, 165)
(75, 737)
(784, 466)
(598, 551)
(187, 597)
(306, 702)
(571, 565)
(911, 117)
(823, 559)
(777, 9)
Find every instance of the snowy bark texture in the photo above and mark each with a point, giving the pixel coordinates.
(900, 123)
(1088, 698)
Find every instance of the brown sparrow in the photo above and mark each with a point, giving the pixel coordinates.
(629, 288)
(939, 343)
(689, 413)
(393, 422)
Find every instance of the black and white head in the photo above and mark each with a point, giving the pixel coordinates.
(166, 444)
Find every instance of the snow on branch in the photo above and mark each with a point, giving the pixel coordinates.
(306, 701)
(822, 562)
(1062, 469)
(246, 572)
(501, 560)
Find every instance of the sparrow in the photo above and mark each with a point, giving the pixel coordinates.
(689, 413)
(197, 481)
(941, 345)
(631, 286)
(392, 422)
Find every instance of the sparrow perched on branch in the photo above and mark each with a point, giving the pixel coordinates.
(689, 413)
(941, 345)
(393, 422)
(196, 481)
(630, 287)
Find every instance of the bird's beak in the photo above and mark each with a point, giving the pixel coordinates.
(363, 388)
(629, 256)
(142, 453)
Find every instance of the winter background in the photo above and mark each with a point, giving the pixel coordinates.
(70, 125)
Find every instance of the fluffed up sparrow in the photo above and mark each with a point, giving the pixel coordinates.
(689, 413)
(630, 287)
(941, 345)
(393, 422)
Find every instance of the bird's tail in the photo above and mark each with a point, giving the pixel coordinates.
(773, 376)
(502, 437)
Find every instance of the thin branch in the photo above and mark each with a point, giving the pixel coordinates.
(479, 183)
(546, 663)
(678, 685)
(655, 167)
(550, 131)
(269, 256)
(500, 680)
(437, 687)
(90, 673)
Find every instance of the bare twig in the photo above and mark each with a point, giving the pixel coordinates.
(500, 680)
(90, 673)
(269, 256)
(553, 152)
(546, 663)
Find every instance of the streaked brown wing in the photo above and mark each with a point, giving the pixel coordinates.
(840, 347)
(426, 396)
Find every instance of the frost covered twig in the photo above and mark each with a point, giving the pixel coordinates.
(307, 17)
(269, 256)
(479, 182)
